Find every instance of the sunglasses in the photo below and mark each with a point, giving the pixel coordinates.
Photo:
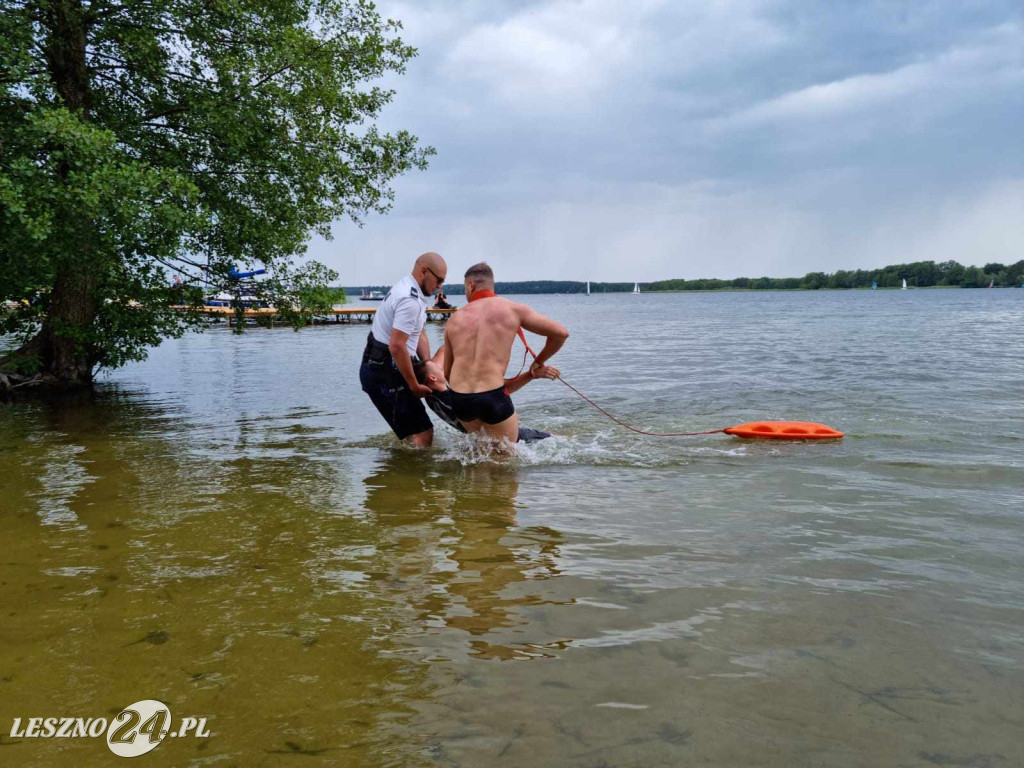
(440, 280)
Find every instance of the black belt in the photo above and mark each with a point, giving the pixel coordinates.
(380, 353)
(375, 351)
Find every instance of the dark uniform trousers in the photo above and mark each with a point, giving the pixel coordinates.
(383, 382)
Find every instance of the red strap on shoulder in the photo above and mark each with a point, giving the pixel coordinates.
(525, 344)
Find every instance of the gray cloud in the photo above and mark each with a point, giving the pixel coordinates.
(600, 140)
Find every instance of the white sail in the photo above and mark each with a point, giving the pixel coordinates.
(636, 287)
(904, 283)
(588, 287)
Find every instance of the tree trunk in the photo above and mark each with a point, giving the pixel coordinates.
(69, 320)
(65, 53)
(63, 354)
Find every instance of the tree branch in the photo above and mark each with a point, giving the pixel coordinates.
(167, 112)
(122, 88)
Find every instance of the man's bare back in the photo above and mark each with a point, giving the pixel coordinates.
(478, 345)
(481, 335)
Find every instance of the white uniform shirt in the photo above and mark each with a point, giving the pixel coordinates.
(405, 309)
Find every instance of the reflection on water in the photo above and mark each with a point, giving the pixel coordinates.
(207, 585)
(227, 528)
(456, 558)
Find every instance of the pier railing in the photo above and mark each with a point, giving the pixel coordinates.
(341, 315)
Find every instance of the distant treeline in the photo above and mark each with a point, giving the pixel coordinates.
(529, 286)
(919, 274)
(559, 286)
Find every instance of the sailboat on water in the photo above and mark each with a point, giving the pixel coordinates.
(904, 284)
(636, 288)
(588, 287)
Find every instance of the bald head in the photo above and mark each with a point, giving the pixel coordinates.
(433, 261)
(430, 271)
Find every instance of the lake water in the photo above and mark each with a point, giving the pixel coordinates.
(228, 527)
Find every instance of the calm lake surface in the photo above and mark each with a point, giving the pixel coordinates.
(228, 527)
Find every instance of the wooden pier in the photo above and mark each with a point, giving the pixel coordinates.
(346, 315)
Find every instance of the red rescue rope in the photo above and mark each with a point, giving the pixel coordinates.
(621, 423)
(488, 294)
(617, 420)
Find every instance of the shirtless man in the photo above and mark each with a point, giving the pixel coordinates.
(478, 343)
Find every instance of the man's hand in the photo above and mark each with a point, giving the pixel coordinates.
(538, 371)
(400, 354)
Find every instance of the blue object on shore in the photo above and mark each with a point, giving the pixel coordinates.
(236, 275)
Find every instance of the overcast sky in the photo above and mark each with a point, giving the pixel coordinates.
(612, 140)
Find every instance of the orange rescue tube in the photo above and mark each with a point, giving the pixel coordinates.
(785, 430)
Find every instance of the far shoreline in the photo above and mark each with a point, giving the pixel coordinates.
(355, 291)
(913, 276)
(804, 290)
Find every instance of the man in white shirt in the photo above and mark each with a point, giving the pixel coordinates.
(396, 339)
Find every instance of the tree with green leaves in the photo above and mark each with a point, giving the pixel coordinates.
(141, 139)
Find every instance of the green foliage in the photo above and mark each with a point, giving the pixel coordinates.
(814, 280)
(141, 140)
(70, 196)
(303, 294)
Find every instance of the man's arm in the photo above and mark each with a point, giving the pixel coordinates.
(555, 332)
(439, 356)
(448, 356)
(423, 346)
(404, 363)
(518, 382)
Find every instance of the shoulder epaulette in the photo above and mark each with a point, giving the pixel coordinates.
(413, 294)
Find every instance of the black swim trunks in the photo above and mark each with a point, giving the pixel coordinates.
(441, 404)
(490, 407)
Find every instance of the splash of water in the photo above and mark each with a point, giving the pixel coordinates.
(602, 448)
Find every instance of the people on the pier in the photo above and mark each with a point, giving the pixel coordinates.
(478, 345)
(441, 302)
(395, 342)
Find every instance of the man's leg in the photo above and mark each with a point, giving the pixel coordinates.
(411, 421)
(403, 411)
(508, 430)
(476, 425)
(504, 430)
(422, 439)
(494, 405)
